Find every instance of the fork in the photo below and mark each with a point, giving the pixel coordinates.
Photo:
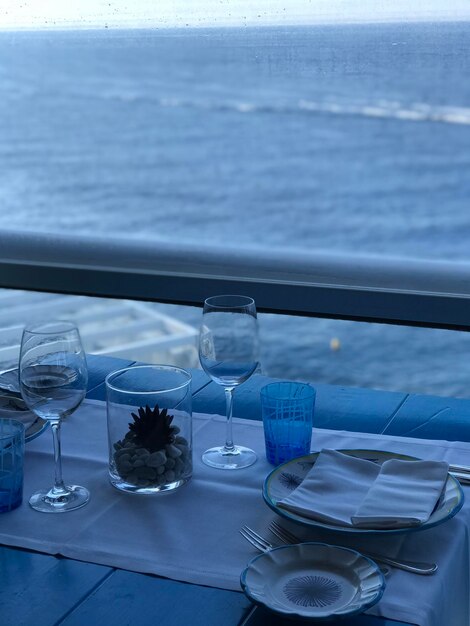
(425, 569)
(256, 540)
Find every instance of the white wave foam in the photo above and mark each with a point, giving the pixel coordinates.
(416, 112)
(454, 115)
(245, 107)
(412, 115)
(171, 102)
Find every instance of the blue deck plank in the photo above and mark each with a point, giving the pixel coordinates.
(432, 417)
(38, 589)
(199, 378)
(354, 409)
(211, 398)
(263, 617)
(126, 598)
(337, 408)
(99, 367)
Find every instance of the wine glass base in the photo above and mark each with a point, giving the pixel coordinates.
(48, 502)
(229, 458)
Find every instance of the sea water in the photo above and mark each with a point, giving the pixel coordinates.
(348, 139)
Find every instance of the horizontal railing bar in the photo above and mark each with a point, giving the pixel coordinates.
(395, 290)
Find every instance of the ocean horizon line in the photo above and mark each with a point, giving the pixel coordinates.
(249, 24)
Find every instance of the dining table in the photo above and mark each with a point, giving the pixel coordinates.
(45, 585)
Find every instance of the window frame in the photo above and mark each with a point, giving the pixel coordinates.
(434, 294)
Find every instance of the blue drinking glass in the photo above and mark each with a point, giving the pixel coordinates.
(11, 464)
(287, 410)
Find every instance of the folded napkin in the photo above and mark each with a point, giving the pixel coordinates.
(346, 491)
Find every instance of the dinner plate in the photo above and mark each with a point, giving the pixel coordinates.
(9, 382)
(14, 407)
(313, 581)
(285, 478)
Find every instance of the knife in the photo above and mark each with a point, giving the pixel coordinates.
(462, 477)
(459, 469)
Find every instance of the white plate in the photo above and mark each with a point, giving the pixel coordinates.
(15, 408)
(9, 382)
(282, 480)
(313, 580)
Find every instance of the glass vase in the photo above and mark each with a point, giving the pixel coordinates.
(149, 428)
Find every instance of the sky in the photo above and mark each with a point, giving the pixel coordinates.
(169, 13)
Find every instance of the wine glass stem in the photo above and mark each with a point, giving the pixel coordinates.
(229, 403)
(59, 483)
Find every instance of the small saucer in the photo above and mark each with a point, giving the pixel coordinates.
(313, 581)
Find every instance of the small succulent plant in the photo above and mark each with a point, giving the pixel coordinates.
(152, 428)
(152, 453)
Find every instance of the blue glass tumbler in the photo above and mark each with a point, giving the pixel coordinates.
(11, 464)
(287, 410)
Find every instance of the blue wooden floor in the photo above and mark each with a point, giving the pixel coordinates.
(42, 590)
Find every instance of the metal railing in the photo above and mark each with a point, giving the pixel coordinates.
(299, 282)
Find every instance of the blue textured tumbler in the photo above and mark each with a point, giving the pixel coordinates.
(287, 409)
(11, 464)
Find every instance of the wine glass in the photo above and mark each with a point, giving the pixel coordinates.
(53, 381)
(228, 349)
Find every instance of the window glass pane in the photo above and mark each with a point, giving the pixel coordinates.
(355, 354)
(343, 137)
(393, 358)
(317, 130)
(379, 356)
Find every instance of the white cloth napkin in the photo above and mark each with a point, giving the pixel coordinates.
(347, 491)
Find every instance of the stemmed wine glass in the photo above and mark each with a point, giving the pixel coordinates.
(53, 381)
(228, 350)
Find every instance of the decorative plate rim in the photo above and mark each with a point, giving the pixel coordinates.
(36, 428)
(363, 607)
(44, 425)
(451, 481)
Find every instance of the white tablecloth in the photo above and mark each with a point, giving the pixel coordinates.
(192, 534)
